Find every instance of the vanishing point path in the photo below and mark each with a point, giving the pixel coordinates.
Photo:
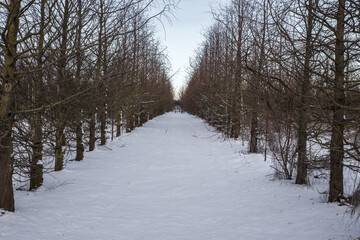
(172, 179)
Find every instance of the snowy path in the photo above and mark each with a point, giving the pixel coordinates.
(172, 180)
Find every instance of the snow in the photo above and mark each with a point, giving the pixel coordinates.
(173, 179)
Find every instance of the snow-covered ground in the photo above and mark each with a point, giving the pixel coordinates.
(173, 179)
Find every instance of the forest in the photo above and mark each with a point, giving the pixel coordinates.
(70, 71)
(284, 77)
(274, 84)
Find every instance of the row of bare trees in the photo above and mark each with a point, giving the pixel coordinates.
(284, 75)
(73, 73)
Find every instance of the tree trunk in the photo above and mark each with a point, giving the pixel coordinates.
(79, 135)
(118, 124)
(301, 177)
(239, 123)
(266, 135)
(78, 117)
(59, 154)
(92, 130)
(253, 132)
(6, 105)
(98, 85)
(129, 123)
(236, 125)
(242, 118)
(256, 86)
(112, 128)
(338, 124)
(36, 169)
(60, 110)
(6, 168)
(103, 126)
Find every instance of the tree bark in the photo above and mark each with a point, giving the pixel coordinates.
(338, 124)
(78, 117)
(92, 130)
(79, 135)
(253, 132)
(266, 135)
(239, 124)
(98, 85)
(6, 105)
(59, 154)
(129, 122)
(256, 83)
(301, 177)
(118, 124)
(102, 126)
(36, 169)
(6, 167)
(60, 110)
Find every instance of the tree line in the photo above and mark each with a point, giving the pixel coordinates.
(73, 73)
(285, 75)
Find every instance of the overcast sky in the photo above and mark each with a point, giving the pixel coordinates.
(184, 34)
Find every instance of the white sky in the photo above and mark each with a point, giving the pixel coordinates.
(183, 35)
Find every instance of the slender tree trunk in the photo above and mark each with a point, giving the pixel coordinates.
(36, 169)
(266, 136)
(6, 105)
(239, 73)
(253, 132)
(60, 110)
(102, 126)
(118, 124)
(254, 114)
(129, 122)
(242, 118)
(79, 135)
(236, 124)
(92, 129)
(78, 118)
(104, 99)
(287, 148)
(338, 124)
(98, 86)
(59, 154)
(301, 177)
(112, 128)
